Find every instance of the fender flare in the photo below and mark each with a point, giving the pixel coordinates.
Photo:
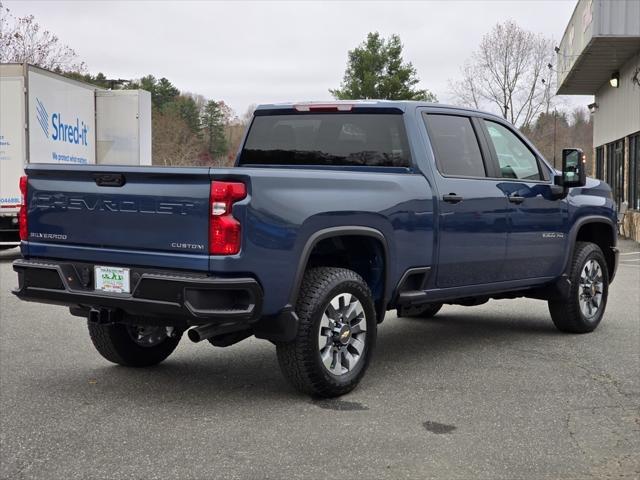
(573, 234)
(342, 231)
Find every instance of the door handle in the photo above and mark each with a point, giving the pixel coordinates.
(452, 198)
(516, 199)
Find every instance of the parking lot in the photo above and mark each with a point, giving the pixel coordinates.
(486, 392)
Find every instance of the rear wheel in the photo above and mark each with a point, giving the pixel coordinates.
(582, 310)
(134, 345)
(336, 333)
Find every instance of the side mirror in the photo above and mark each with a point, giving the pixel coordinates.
(573, 168)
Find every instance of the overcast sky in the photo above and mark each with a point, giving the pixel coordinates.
(273, 51)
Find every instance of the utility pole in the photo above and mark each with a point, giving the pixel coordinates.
(555, 129)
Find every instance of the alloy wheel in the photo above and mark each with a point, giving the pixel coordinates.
(342, 334)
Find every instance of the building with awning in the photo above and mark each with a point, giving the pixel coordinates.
(600, 55)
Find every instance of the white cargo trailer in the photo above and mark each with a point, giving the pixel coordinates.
(12, 153)
(48, 118)
(123, 135)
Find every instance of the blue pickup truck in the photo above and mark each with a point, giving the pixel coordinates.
(333, 214)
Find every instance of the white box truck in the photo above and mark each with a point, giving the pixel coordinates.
(123, 127)
(48, 118)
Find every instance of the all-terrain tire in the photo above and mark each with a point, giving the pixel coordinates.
(566, 313)
(115, 343)
(300, 360)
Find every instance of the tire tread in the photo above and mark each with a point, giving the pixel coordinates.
(565, 313)
(296, 358)
(113, 342)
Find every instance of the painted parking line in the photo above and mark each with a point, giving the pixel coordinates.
(630, 253)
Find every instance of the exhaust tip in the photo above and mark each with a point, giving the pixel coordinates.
(193, 335)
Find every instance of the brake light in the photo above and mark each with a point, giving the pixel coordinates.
(323, 107)
(22, 214)
(225, 232)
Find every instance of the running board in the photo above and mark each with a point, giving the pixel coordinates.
(412, 297)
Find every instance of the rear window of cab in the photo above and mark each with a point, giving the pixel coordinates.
(346, 139)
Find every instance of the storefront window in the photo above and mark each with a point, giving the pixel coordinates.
(634, 171)
(615, 170)
(599, 173)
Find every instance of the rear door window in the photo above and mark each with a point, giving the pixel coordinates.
(455, 146)
(351, 139)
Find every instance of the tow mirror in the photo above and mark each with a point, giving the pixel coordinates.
(573, 168)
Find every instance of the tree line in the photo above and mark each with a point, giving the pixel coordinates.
(510, 73)
(187, 129)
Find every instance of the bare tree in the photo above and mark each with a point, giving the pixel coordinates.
(248, 114)
(22, 39)
(510, 72)
(465, 90)
(553, 131)
(200, 100)
(174, 143)
(229, 117)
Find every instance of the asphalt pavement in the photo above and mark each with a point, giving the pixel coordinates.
(487, 392)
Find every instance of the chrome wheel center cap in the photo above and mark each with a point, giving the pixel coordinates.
(345, 335)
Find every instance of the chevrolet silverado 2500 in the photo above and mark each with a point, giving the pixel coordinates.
(333, 214)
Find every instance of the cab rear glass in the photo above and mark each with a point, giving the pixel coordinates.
(343, 139)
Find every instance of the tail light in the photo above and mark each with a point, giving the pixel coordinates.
(22, 215)
(225, 232)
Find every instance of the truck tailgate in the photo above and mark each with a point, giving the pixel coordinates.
(119, 208)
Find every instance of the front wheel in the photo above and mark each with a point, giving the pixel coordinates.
(582, 310)
(336, 333)
(134, 345)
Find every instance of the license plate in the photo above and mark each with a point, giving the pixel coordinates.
(112, 279)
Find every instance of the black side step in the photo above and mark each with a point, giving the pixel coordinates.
(410, 297)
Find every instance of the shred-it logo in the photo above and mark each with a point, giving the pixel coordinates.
(74, 133)
(43, 117)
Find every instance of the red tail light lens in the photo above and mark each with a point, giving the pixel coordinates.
(225, 232)
(22, 214)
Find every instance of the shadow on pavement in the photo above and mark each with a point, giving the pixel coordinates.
(252, 374)
(7, 256)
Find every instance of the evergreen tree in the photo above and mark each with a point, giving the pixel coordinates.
(213, 124)
(187, 109)
(162, 91)
(376, 70)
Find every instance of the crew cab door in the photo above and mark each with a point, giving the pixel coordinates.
(472, 208)
(537, 220)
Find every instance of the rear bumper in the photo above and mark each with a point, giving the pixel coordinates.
(171, 297)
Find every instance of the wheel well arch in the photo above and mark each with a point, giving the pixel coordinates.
(361, 249)
(602, 233)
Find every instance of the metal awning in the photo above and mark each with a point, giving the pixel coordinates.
(598, 60)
